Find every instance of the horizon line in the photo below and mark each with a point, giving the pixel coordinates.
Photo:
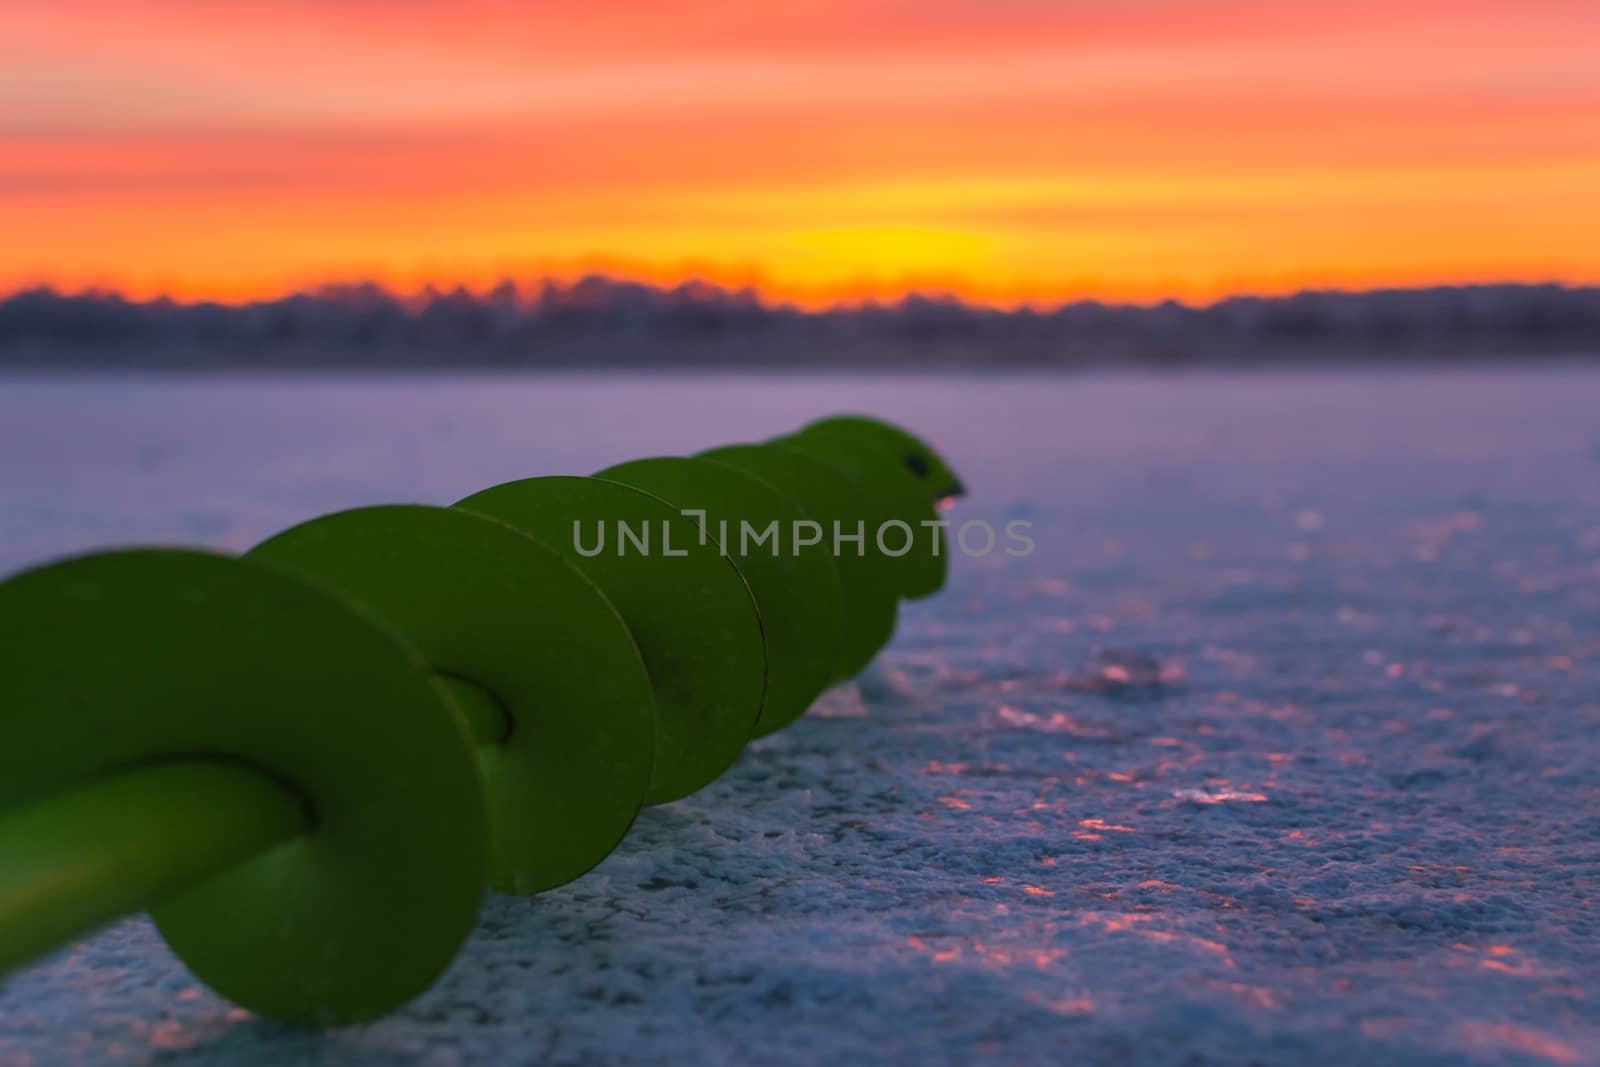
(530, 286)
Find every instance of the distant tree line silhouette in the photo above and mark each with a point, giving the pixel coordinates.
(603, 322)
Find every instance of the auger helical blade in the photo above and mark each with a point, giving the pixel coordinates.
(834, 500)
(905, 476)
(892, 450)
(490, 607)
(796, 587)
(306, 763)
(120, 663)
(687, 606)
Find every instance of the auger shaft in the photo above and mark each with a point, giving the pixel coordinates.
(84, 858)
(80, 859)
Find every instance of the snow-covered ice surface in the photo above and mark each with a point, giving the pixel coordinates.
(1282, 748)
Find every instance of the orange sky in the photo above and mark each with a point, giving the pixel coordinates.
(1006, 149)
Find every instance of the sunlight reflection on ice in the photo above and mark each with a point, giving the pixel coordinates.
(1217, 796)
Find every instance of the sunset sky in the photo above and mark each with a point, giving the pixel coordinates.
(1003, 149)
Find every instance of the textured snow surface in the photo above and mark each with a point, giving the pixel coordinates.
(1281, 748)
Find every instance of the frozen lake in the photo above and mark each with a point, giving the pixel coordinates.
(1283, 747)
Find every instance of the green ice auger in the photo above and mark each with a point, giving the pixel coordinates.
(308, 761)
